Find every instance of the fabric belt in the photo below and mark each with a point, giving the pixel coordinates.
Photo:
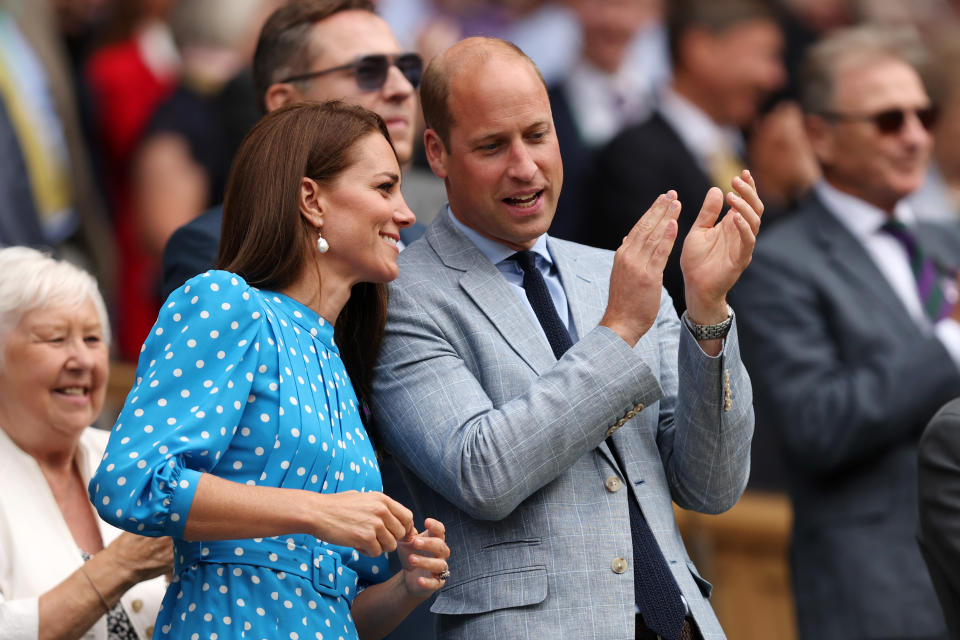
(323, 567)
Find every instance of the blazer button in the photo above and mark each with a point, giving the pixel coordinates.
(613, 484)
(612, 430)
(136, 605)
(619, 565)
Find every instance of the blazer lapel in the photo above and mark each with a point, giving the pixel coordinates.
(585, 296)
(488, 289)
(848, 256)
(587, 302)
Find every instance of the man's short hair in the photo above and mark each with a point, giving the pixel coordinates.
(856, 45)
(435, 85)
(713, 16)
(284, 47)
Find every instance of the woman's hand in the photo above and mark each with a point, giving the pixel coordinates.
(371, 522)
(423, 557)
(142, 557)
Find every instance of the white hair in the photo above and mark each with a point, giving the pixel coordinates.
(31, 280)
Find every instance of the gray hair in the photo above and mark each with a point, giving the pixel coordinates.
(31, 280)
(854, 46)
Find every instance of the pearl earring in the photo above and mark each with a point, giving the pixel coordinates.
(322, 245)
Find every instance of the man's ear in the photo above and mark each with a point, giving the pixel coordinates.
(312, 206)
(280, 94)
(820, 134)
(436, 153)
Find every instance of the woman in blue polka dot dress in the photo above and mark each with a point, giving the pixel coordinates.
(242, 436)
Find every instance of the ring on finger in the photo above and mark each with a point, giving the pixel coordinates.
(444, 575)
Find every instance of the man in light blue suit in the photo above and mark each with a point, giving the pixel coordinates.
(550, 406)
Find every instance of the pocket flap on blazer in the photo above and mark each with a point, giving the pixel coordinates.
(498, 590)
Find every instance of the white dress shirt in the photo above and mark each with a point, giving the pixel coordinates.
(864, 220)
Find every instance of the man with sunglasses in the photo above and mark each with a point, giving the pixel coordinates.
(321, 50)
(850, 332)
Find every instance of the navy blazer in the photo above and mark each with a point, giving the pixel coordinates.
(848, 380)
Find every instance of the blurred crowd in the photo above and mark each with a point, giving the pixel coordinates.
(119, 120)
(120, 117)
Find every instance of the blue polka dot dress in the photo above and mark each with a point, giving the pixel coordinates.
(247, 385)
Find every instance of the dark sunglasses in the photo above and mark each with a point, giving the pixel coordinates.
(891, 120)
(371, 71)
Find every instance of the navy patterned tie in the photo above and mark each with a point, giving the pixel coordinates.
(933, 279)
(542, 302)
(656, 592)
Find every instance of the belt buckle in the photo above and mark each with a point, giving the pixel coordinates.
(326, 572)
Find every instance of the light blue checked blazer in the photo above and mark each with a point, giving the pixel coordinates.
(505, 444)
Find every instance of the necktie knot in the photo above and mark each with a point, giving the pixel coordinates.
(535, 288)
(526, 260)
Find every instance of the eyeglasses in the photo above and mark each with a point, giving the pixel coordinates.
(371, 71)
(890, 121)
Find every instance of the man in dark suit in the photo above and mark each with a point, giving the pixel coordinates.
(623, 63)
(850, 352)
(726, 57)
(939, 530)
(306, 51)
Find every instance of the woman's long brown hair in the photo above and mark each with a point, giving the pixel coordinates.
(265, 240)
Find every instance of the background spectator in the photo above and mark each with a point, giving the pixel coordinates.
(726, 62)
(849, 353)
(623, 63)
(64, 572)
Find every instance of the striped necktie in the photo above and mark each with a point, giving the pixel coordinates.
(934, 279)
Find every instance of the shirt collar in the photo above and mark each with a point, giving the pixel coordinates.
(698, 132)
(861, 218)
(494, 251)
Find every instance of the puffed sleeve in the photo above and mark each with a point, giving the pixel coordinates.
(194, 376)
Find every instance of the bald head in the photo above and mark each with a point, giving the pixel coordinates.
(458, 62)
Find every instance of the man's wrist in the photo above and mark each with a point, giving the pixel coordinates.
(709, 331)
(705, 313)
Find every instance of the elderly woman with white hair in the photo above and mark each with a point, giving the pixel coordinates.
(64, 572)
